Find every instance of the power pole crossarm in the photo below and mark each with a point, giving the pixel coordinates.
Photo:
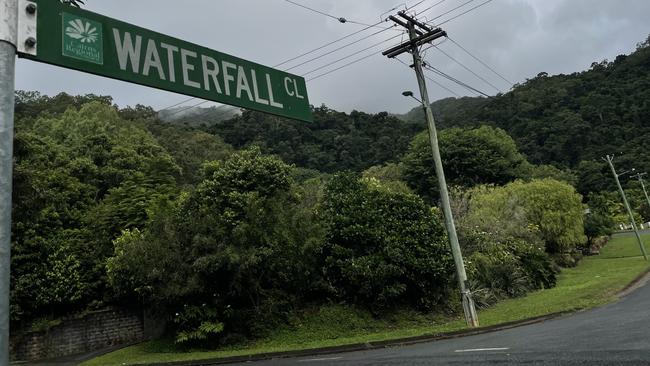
(417, 37)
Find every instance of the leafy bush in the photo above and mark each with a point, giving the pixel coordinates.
(384, 248)
(507, 269)
(547, 208)
(197, 324)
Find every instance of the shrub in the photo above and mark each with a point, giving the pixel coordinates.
(510, 269)
(548, 209)
(384, 248)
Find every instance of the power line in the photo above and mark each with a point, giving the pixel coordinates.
(309, 72)
(229, 108)
(325, 45)
(406, 8)
(303, 54)
(342, 20)
(346, 65)
(449, 11)
(350, 55)
(333, 70)
(465, 12)
(343, 66)
(412, 6)
(467, 68)
(432, 6)
(449, 77)
(481, 62)
(442, 86)
(428, 67)
(337, 49)
(430, 79)
(186, 108)
(179, 103)
(339, 19)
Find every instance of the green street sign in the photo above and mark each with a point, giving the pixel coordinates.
(82, 40)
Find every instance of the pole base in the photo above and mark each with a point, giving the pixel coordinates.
(470, 310)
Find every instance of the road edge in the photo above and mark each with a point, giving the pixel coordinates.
(637, 282)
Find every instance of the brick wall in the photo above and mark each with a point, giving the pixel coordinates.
(92, 331)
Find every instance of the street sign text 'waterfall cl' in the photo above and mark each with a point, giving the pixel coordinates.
(78, 39)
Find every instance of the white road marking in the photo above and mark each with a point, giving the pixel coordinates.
(320, 359)
(482, 349)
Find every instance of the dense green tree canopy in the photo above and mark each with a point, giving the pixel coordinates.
(81, 176)
(470, 157)
(334, 141)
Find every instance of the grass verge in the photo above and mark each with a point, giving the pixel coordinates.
(595, 281)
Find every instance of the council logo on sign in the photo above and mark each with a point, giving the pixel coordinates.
(82, 39)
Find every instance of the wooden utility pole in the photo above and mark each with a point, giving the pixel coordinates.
(419, 34)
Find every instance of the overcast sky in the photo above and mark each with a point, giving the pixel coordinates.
(517, 38)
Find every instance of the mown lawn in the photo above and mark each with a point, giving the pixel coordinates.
(594, 282)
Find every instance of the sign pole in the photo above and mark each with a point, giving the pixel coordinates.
(8, 37)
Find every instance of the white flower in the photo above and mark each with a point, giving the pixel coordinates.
(82, 31)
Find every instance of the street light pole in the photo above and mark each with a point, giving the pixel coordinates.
(609, 160)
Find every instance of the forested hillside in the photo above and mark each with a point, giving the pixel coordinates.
(334, 141)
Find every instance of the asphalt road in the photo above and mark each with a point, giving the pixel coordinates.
(616, 334)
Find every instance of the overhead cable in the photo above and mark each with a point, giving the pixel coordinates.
(467, 68)
(449, 77)
(430, 79)
(350, 55)
(481, 62)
